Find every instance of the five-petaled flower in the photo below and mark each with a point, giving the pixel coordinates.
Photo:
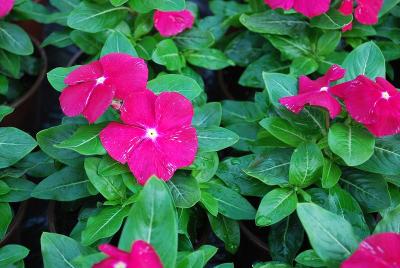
(91, 88)
(374, 104)
(142, 255)
(316, 93)
(377, 251)
(156, 137)
(309, 8)
(366, 12)
(5, 7)
(173, 22)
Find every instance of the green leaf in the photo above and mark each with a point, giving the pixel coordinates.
(390, 223)
(167, 54)
(331, 20)
(194, 39)
(118, 3)
(4, 188)
(305, 165)
(14, 39)
(185, 190)
(153, 219)
(111, 187)
(87, 42)
(143, 25)
(5, 219)
(291, 47)
(198, 258)
(10, 64)
(104, 224)
(182, 84)
(207, 115)
(230, 203)
(4, 111)
(310, 258)
(275, 206)
(110, 167)
(210, 203)
(14, 145)
(204, 166)
(272, 22)
(58, 39)
(143, 6)
(227, 230)
(118, 43)
(328, 42)
(240, 111)
(283, 130)
(367, 60)
(330, 174)
(330, 235)
(10, 254)
(20, 190)
(56, 77)
(214, 139)
(67, 184)
(353, 144)
(212, 59)
(279, 86)
(65, 5)
(95, 18)
(85, 140)
(59, 250)
(303, 66)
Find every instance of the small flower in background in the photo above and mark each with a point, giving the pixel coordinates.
(309, 8)
(316, 93)
(5, 7)
(377, 251)
(92, 87)
(156, 137)
(173, 22)
(142, 255)
(366, 12)
(374, 104)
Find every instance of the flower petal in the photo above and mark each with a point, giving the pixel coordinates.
(84, 73)
(114, 252)
(126, 73)
(5, 7)
(100, 99)
(335, 73)
(173, 22)
(173, 110)
(139, 109)
(74, 99)
(377, 251)
(346, 7)
(367, 11)
(120, 140)
(386, 86)
(147, 160)
(386, 116)
(143, 255)
(307, 85)
(110, 263)
(312, 8)
(179, 146)
(285, 4)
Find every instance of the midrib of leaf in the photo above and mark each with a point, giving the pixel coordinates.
(12, 38)
(100, 14)
(179, 192)
(281, 201)
(150, 228)
(274, 167)
(106, 222)
(62, 186)
(360, 189)
(60, 253)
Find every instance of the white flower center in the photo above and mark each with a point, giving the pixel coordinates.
(151, 133)
(324, 89)
(120, 265)
(385, 95)
(100, 80)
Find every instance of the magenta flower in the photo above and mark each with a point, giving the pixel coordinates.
(374, 104)
(366, 12)
(316, 93)
(142, 255)
(173, 22)
(156, 137)
(5, 7)
(92, 87)
(309, 8)
(377, 251)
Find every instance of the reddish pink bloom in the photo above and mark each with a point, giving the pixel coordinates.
(142, 255)
(366, 12)
(5, 7)
(377, 251)
(309, 8)
(316, 93)
(92, 87)
(173, 22)
(156, 137)
(374, 104)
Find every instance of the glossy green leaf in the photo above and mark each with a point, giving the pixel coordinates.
(185, 190)
(182, 84)
(14, 39)
(214, 139)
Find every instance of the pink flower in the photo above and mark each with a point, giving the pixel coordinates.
(5, 7)
(309, 8)
(142, 255)
(173, 22)
(374, 104)
(377, 251)
(92, 87)
(366, 12)
(316, 93)
(156, 137)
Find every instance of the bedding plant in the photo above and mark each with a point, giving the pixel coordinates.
(145, 171)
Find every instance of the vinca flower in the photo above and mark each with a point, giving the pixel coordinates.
(309, 8)
(173, 22)
(5, 7)
(93, 87)
(316, 93)
(142, 255)
(366, 12)
(156, 136)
